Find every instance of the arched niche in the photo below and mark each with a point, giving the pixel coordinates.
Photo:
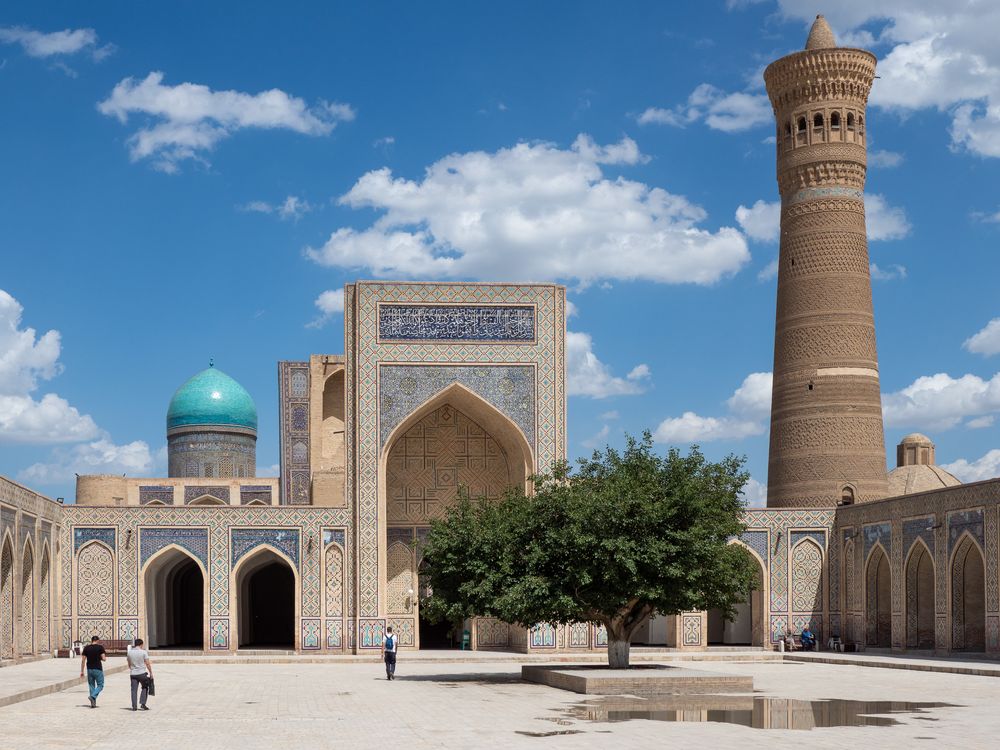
(26, 635)
(208, 500)
(968, 596)
(878, 599)
(175, 583)
(265, 585)
(6, 598)
(749, 626)
(332, 431)
(456, 438)
(919, 578)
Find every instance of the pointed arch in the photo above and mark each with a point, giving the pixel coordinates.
(26, 620)
(806, 576)
(265, 599)
(399, 600)
(878, 598)
(918, 573)
(208, 500)
(967, 574)
(95, 580)
(175, 598)
(45, 598)
(334, 565)
(6, 597)
(851, 587)
(749, 627)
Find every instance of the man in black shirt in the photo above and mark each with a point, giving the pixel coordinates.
(91, 660)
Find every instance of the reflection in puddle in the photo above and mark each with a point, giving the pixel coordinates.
(551, 734)
(752, 711)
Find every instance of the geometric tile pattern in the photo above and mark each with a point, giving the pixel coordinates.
(82, 536)
(758, 542)
(543, 635)
(365, 353)
(456, 323)
(970, 521)
(193, 492)
(193, 540)
(293, 378)
(807, 577)
(442, 452)
(918, 528)
(95, 580)
(691, 630)
(285, 540)
(877, 533)
(156, 494)
(219, 632)
(402, 388)
(818, 536)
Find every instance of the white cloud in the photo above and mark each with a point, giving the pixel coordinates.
(25, 359)
(769, 271)
(728, 112)
(693, 428)
(571, 309)
(293, 208)
(274, 470)
(384, 143)
(884, 159)
(532, 211)
(749, 406)
(986, 341)
(986, 466)
(941, 401)
(187, 120)
(610, 416)
(980, 423)
(329, 303)
(942, 55)
(762, 221)
(755, 494)
(586, 375)
(890, 273)
(101, 456)
(884, 222)
(66, 42)
(753, 397)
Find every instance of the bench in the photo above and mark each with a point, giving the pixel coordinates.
(113, 647)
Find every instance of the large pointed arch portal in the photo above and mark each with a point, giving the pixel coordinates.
(455, 439)
(175, 600)
(265, 587)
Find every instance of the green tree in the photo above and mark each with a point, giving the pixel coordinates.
(628, 534)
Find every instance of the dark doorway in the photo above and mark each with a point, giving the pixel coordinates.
(267, 604)
(438, 635)
(175, 596)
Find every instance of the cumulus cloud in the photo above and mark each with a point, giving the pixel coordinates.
(586, 375)
(761, 221)
(884, 159)
(941, 401)
(598, 439)
(755, 494)
(884, 222)
(986, 341)
(986, 466)
(329, 303)
(25, 360)
(188, 120)
(941, 55)
(55, 43)
(292, 208)
(728, 112)
(532, 211)
(749, 406)
(889, 273)
(274, 470)
(98, 457)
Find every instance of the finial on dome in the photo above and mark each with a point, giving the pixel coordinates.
(820, 35)
(211, 361)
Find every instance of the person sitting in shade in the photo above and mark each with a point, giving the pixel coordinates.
(808, 639)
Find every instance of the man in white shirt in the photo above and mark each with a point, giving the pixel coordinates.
(389, 646)
(141, 674)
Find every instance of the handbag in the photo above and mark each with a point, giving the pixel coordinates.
(152, 686)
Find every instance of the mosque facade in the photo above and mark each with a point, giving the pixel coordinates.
(443, 385)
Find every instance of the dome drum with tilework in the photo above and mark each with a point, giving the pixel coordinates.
(212, 428)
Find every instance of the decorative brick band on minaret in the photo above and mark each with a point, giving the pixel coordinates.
(827, 445)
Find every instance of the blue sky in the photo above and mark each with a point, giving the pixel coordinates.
(196, 181)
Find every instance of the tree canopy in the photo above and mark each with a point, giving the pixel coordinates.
(628, 533)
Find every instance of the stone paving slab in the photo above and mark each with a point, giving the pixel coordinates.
(33, 679)
(947, 665)
(655, 680)
(485, 705)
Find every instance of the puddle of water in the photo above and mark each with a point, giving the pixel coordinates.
(551, 734)
(757, 712)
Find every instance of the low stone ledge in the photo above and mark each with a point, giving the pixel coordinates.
(653, 679)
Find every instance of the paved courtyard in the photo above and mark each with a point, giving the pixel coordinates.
(469, 705)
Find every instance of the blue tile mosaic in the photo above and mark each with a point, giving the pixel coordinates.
(877, 532)
(918, 528)
(153, 540)
(962, 521)
(194, 491)
(509, 388)
(757, 541)
(156, 493)
(333, 535)
(250, 493)
(89, 534)
(245, 540)
(456, 323)
(399, 535)
(818, 536)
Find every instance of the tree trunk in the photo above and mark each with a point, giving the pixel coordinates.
(618, 651)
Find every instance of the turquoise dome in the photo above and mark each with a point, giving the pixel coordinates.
(212, 398)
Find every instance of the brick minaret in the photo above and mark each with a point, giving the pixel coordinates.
(827, 445)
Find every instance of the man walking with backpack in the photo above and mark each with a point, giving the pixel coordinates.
(389, 645)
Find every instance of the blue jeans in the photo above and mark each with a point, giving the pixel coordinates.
(95, 680)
